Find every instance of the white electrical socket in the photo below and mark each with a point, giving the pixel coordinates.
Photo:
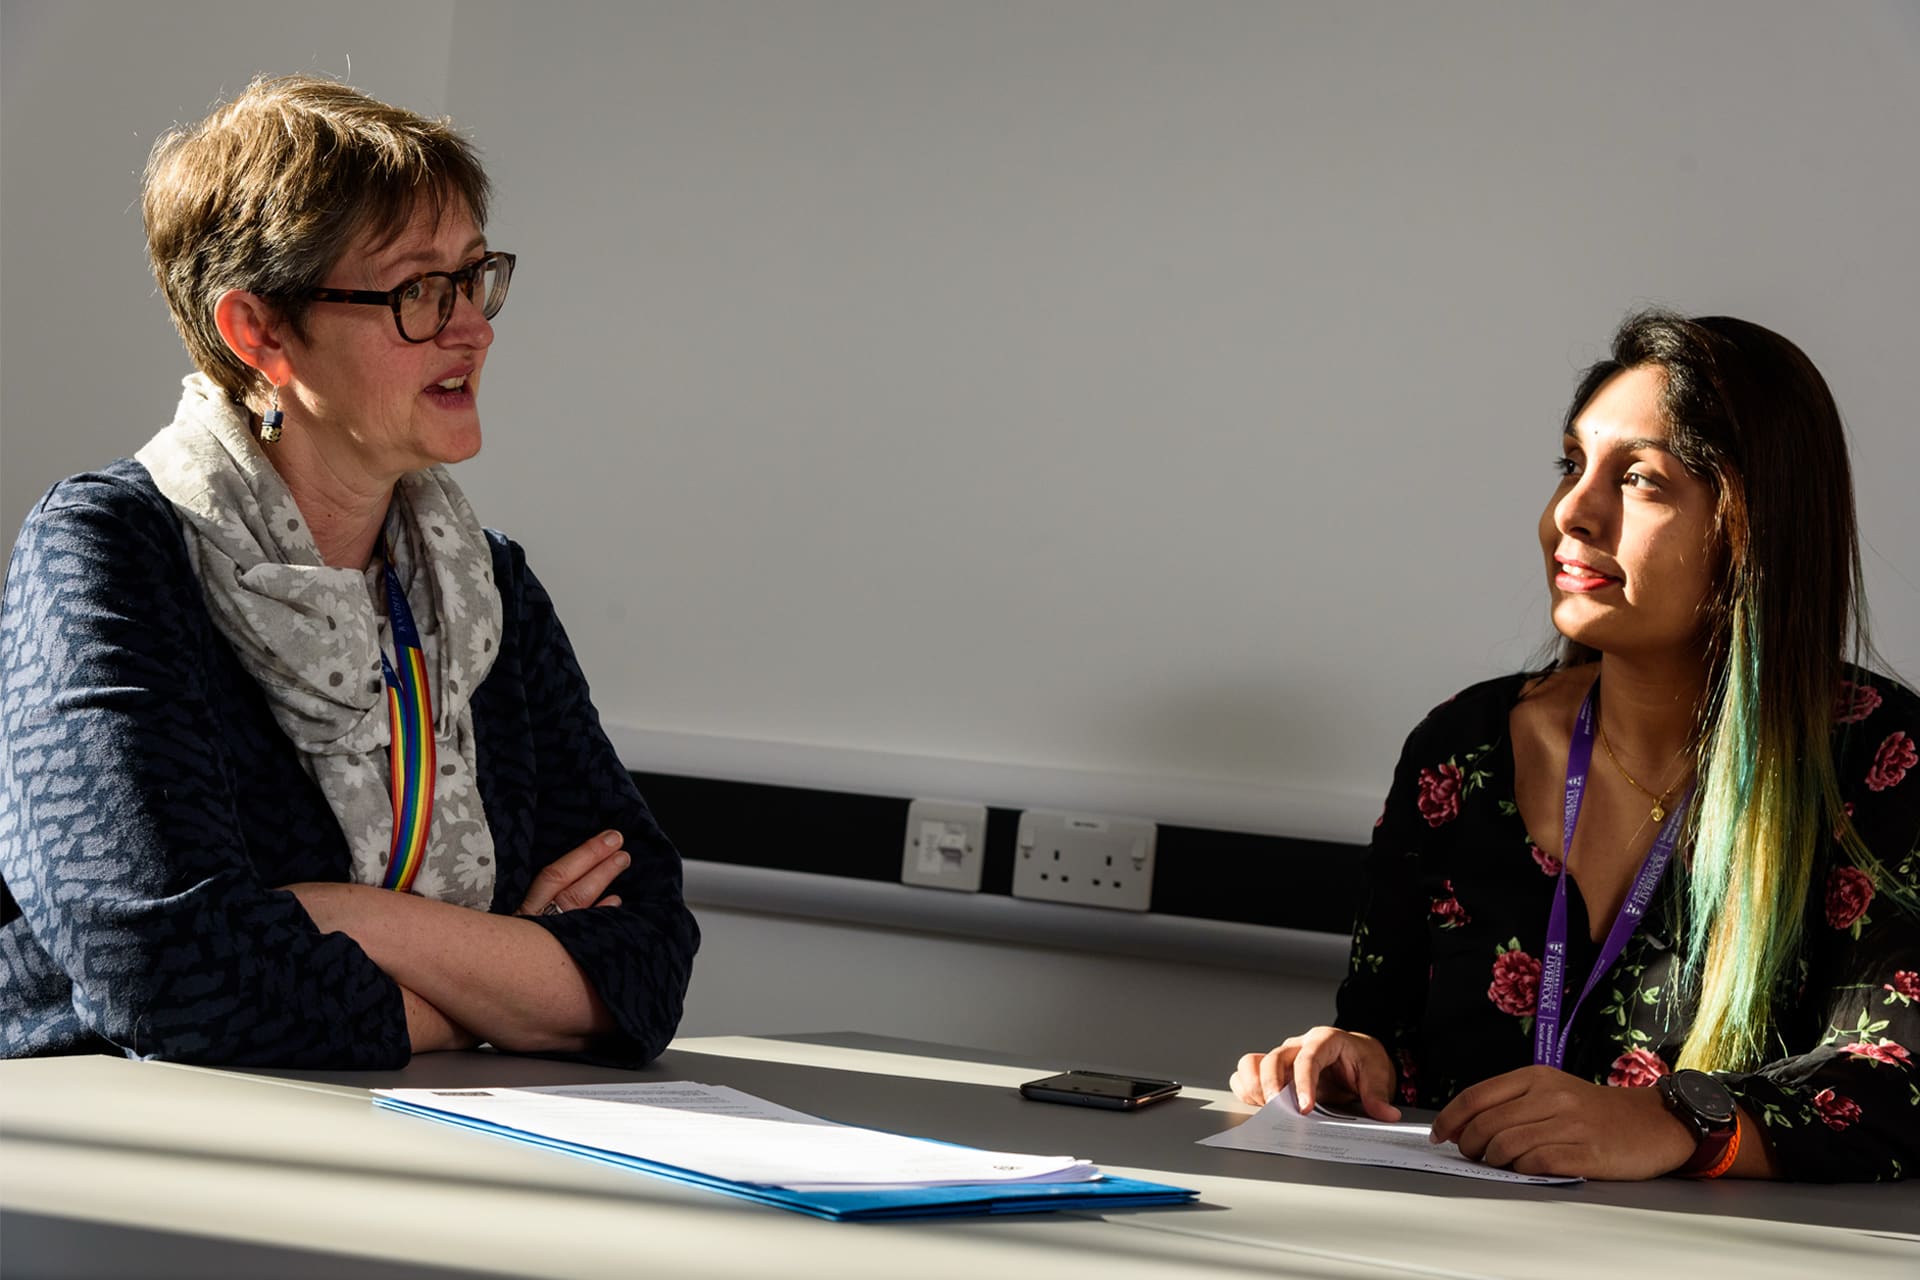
(1085, 858)
(946, 845)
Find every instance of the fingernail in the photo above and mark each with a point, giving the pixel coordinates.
(622, 860)
(611, 839)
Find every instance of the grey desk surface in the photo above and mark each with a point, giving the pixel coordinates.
(111, 1166)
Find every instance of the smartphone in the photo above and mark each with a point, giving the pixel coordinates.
(1097, 1089)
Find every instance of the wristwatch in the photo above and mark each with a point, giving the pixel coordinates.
(1705, 1106)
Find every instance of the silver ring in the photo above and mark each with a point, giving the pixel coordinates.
(553, 909)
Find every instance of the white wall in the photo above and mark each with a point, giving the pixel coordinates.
(1156, 394)
(1150, 389)
(1075, 401)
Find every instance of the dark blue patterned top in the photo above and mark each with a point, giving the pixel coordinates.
(149, 805)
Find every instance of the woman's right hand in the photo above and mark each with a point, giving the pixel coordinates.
(579, 877)
(1326, 1064)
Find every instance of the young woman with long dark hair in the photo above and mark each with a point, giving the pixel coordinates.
(1682, 856)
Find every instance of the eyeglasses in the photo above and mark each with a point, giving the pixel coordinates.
(423, 304)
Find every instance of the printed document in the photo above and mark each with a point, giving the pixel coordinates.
(724, 1133)
(1279, 1128)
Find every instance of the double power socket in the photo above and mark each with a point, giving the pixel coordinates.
(1083, 858)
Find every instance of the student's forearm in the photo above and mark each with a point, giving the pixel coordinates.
(1755, 1158)
(503, 978)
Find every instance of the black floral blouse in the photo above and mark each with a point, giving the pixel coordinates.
(1445, 967)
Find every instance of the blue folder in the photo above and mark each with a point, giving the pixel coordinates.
(856, 1204)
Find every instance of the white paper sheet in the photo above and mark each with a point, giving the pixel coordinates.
(1280, 1129)
(682, 1095)
(725, 1133)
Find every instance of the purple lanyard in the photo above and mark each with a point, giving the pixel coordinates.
(1549, 1047)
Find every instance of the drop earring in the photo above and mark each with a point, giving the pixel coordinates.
(270, 420)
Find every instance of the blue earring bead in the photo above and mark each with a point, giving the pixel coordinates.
(270, 420)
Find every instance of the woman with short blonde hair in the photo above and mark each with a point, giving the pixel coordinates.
(297, 765)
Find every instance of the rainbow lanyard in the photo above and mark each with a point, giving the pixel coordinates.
(410, 709)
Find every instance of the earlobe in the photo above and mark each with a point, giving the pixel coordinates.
(252, 329)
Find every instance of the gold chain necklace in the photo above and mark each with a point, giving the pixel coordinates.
(1659, 813)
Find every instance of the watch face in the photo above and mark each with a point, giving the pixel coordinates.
(1704, 1096)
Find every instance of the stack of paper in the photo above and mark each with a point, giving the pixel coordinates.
(730, 1141)
(1323, 1134)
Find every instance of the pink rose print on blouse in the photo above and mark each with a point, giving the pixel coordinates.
(1448, 910)
(1855, 702)
(1835, 1109)
(1896, 755)
(1516, 981)
(1849, 891)
(1905, 986)
(1440, 794)
(1636, 1069)
(1409, 1079)
(1548, 864)
(1886, 1051)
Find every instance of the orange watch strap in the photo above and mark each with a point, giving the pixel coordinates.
(1727, 1157)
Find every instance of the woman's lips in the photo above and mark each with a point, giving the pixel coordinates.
(453, 392)
(1577, 577)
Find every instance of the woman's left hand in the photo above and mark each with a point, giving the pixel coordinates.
(579, 877)
(1543, 1121)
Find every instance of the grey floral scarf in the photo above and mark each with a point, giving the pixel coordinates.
(312, 636)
